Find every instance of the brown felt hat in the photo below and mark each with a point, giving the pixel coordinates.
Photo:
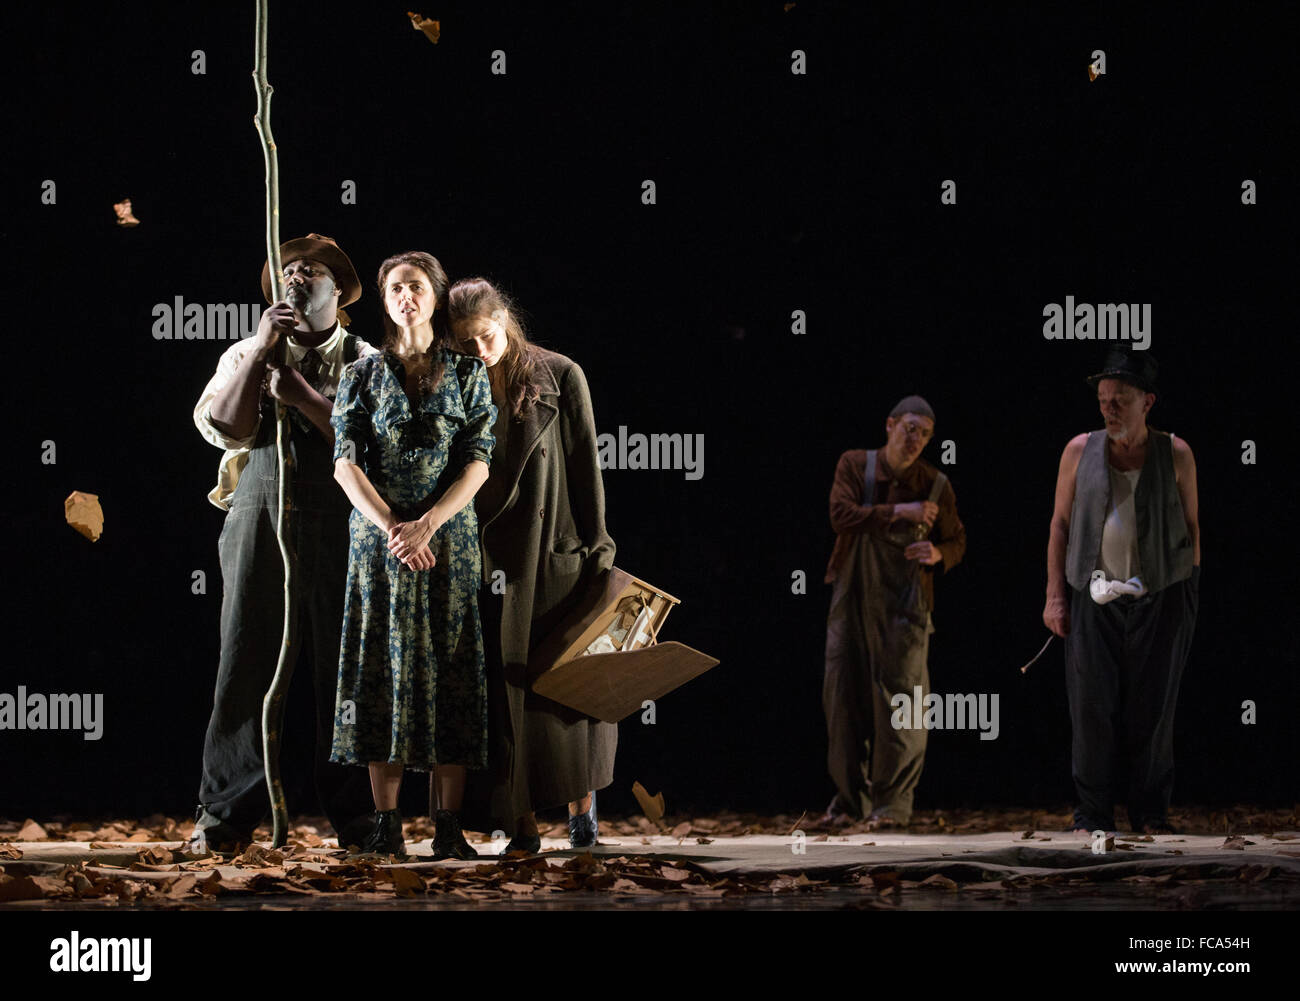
(315, 247)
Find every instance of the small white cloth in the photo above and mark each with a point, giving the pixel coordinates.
(1103, 590)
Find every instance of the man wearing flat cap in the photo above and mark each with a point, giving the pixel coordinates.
(895, 519)
(1123, 584)
(237, 414)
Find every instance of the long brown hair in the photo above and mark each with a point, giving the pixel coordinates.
(471, 297)
(441, 331)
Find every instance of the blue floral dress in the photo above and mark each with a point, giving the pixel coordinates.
(411, 686)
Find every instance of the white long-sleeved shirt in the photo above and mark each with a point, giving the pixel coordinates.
(235, 455)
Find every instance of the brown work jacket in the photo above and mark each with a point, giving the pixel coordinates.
(850, 517)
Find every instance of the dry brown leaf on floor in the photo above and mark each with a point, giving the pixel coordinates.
(132, 889)
(32, 831)
(141, 836)
(11, 852)
(1236, 843)
(255, 857)
(53, 886)
(995, 884)
(651, 806)
(681, 830)
(431, 29)
(406, 882)
(181, 886)
(888, 877)
(698, 841)
(822, 837)
(154, 856)
(210, 885)
(144, 867)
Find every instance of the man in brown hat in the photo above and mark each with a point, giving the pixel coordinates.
(895, 518)
(1123, 584)
(237, 414)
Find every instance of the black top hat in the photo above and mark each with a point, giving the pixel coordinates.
(1128, 367)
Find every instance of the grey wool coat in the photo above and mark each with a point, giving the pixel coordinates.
(549, 537)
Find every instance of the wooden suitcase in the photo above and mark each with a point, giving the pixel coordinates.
(623, 615)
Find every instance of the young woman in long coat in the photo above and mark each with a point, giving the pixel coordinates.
(541, 520)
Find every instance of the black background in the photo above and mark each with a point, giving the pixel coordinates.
(775, 192)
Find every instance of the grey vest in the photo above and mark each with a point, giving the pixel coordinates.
(1164, 544)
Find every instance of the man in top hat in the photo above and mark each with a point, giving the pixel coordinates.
(237, 414)
(1123, 580)
(895, 518)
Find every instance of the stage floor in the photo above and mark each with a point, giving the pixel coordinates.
(720, 863)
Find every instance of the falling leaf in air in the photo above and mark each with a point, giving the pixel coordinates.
(82, 512)
(651, 806)
(124, 216)
(431, 29)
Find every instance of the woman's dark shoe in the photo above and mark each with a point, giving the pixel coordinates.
(356, 830)
(530, 843)
(584, 827)
(385, 836)
(448, 839)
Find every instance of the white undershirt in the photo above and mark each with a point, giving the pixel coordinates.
(1119, 549)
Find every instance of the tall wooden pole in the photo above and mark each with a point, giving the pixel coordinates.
(273, 703)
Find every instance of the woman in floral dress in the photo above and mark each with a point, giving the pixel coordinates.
(413, 438)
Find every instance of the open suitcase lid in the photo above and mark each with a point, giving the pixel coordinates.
(621, 611)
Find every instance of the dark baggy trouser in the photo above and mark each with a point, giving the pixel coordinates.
(233, 791)
(1123, 666)
(877, 642)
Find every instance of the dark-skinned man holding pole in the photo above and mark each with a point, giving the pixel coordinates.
(237, 414)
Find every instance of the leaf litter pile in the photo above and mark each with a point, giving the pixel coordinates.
(307, 866)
